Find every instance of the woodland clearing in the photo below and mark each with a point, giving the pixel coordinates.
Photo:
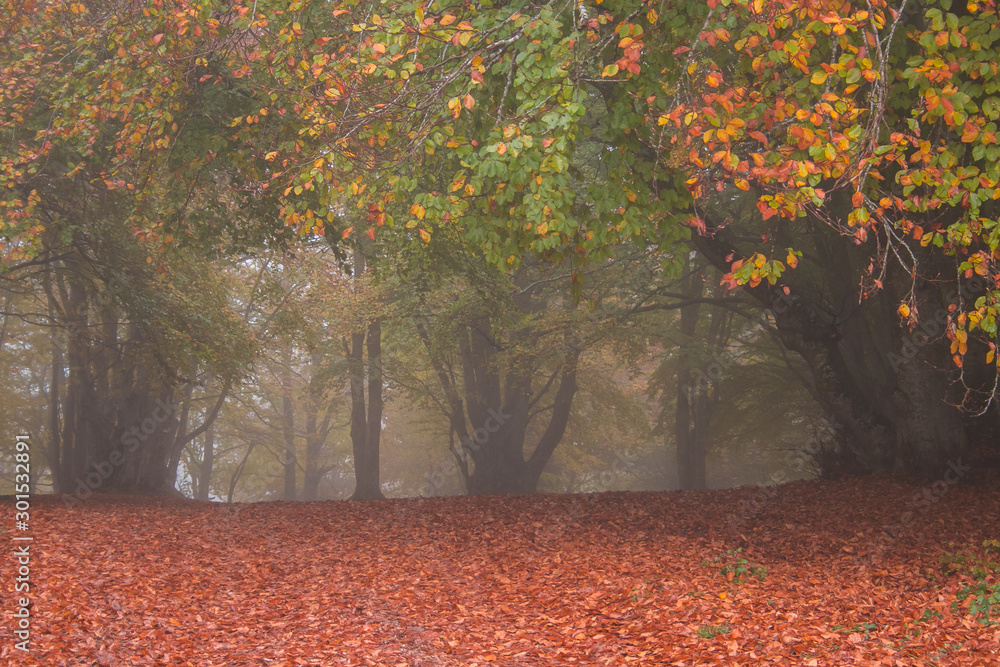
(809, 573)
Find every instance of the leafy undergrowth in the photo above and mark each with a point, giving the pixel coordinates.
(805, 574)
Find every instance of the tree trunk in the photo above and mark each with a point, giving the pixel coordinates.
(691, 392)
(207, 464)
(492, 423)
(55, 442)
(316, 433)
(312, 473)
(288, 461)
(366, 422)
(928, 431)
(235, 477)
(886, 414)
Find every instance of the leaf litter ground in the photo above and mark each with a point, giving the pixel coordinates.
(604, 579)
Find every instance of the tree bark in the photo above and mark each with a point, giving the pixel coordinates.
(887, 415)
(492, 422)
(207, 464)
(366, 421)
(288, 461)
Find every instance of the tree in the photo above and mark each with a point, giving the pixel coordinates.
(842, 117)
(874, 123)
(105, 156)
(695, 402)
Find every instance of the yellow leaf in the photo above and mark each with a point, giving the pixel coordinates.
(904, 310)
(447, 19)
(792, 260)
(418, 211)
(651, 16)
(501, 148)
(818, 78)
(742, 184)
(425, 235)
(610, 70)
(378, 47)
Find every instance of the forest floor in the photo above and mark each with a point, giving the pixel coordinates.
(853, 577)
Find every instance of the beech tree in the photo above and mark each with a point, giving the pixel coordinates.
(862, 133)
(861, 137)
